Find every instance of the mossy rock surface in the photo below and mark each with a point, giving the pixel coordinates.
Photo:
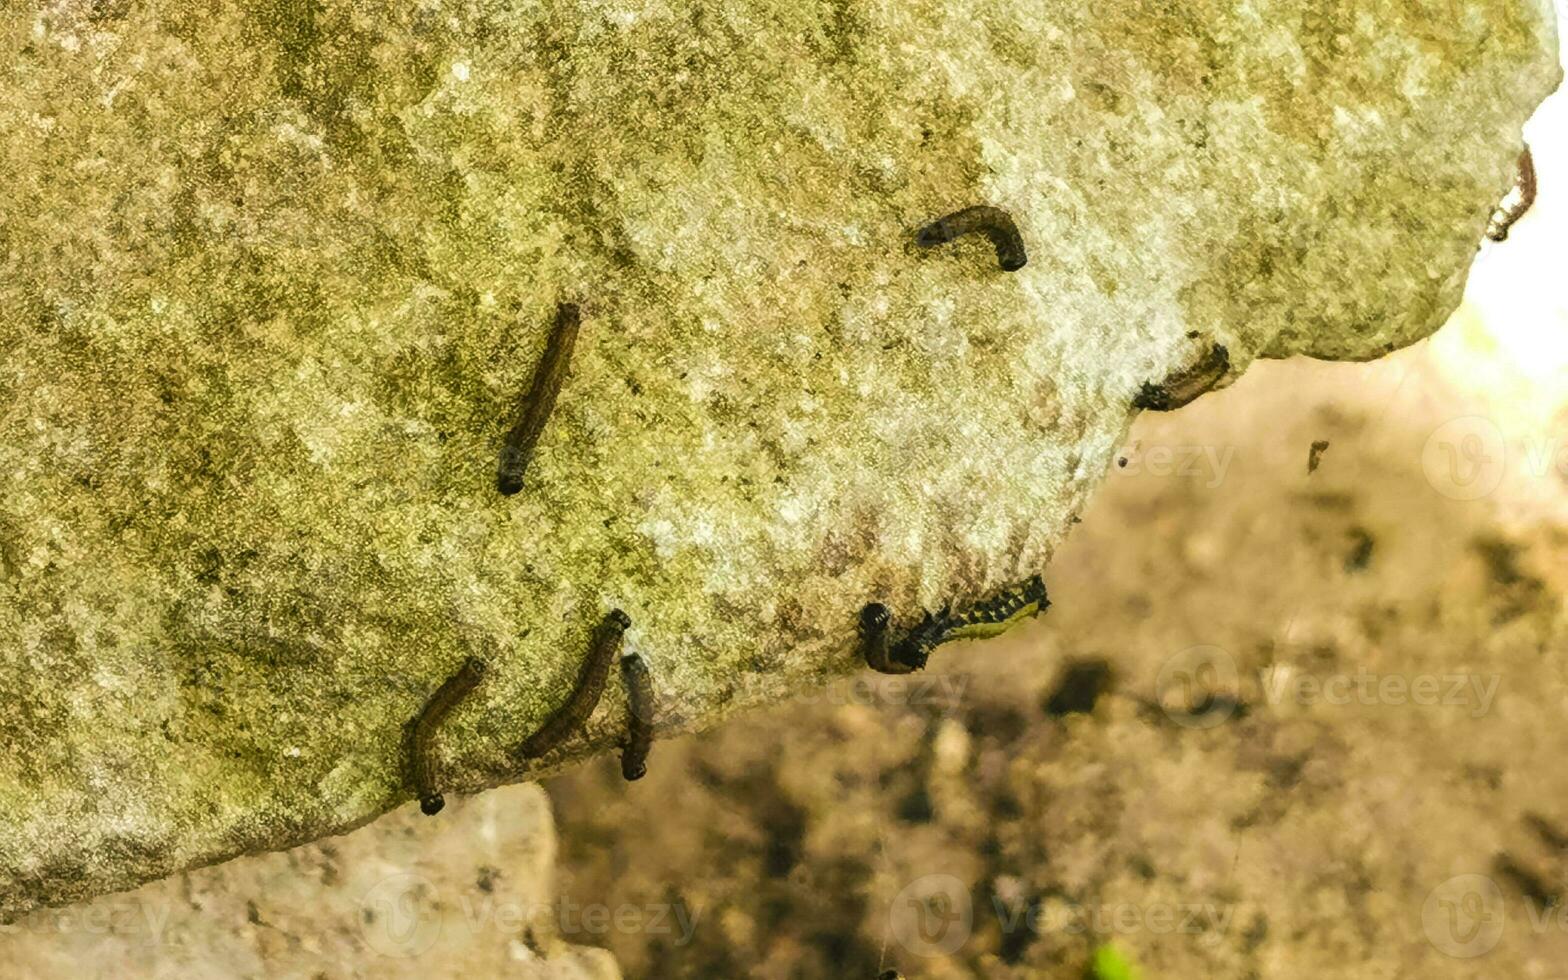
(274, 277)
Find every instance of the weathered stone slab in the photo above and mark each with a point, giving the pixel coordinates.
(276, 277)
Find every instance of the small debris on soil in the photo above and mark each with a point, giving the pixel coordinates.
(1079, 689)
(1360, 555)
(1315, 457)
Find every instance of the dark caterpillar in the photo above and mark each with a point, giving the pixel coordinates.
(1183, 386)
(1505, 216)
(893, 651)
(876, 640)
(639, 717)
(579, 705)
(994, 223)
(540, 401)
(441, 703)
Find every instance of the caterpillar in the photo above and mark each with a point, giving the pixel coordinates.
(579, 705)
(994, 223)
(876, 640)
(998, 615)
(892, 651)
(1506, 215)
(441, 703)
(1183, 386)
(518, 450)
(639, 717)
(914, 647)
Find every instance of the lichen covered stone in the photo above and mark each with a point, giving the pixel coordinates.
(273, 278)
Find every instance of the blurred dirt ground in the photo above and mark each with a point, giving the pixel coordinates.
(1276, 725)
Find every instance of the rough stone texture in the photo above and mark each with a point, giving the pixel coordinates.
(472, 895)
(273, 280)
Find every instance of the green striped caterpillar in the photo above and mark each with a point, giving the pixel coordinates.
(891, 650)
